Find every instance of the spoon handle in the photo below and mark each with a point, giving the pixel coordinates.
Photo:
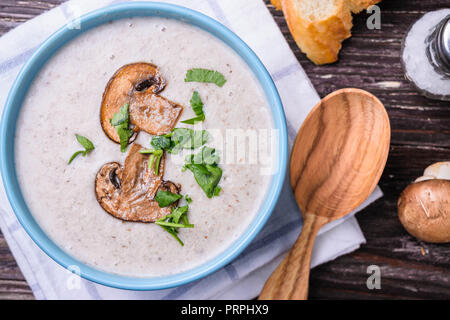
(290, 279)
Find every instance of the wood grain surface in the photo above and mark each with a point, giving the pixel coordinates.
(370, 60)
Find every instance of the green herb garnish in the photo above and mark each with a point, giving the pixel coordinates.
(188, 199)
(194, 120)
(166, 198)
(177, 219)
(197, 107)
(196, 103)
(207, 173)
(173, 232)
(155, 158)
(217, 191)
(206, 156)
(180, 138)
(207, 177)
(86, 143)
(184, 138)
(120, 121)
(178, 213)
(161, 142)
(174, 225)
(205, 75)
(121, 117)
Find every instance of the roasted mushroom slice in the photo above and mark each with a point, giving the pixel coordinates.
(162, 112)
(169, 186)
(142, 80)
(128, 192)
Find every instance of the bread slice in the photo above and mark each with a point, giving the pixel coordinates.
(319, 27)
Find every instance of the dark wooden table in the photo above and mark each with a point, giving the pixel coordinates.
(420, 136)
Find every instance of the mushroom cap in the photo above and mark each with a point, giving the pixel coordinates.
(128, 192)
(438, 170)
(424, 210)
(141, 80)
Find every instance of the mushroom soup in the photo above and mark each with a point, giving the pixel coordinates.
(174, 197)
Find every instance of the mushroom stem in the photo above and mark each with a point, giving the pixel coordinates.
(127, 192)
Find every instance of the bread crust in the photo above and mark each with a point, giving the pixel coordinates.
(358, 5)
(321, 40)
(276, 4)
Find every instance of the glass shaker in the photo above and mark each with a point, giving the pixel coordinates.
(426, 54)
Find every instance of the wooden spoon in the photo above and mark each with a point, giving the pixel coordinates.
(336, 163)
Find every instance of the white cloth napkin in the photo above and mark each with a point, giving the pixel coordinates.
(245, 276)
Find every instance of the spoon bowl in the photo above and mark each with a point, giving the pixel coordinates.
(337, 160)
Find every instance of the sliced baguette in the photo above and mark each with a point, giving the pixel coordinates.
(319, 27)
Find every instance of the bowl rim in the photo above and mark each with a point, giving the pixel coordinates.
(14, 103)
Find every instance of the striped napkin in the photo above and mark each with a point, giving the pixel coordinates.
(245, 276)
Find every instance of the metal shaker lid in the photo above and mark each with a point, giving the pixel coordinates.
(443, 43)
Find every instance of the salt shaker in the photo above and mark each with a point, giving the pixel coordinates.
(426, 54)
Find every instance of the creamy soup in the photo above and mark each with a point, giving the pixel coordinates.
(65, 99)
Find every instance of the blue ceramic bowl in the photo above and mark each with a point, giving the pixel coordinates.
(32, 68)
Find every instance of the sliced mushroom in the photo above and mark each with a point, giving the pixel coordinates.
(138, 84)
(424, 206)
(162, 112)
(128, 192)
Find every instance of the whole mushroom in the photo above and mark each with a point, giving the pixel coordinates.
(424, 206)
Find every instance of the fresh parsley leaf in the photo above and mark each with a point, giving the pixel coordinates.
(75, 155)
(196, 103)
(206, 156)
(150, 151)
(205, 75)
(188, 199)
(197, 107)
(161, 142)
(158, 160)
(207, 173)
(185, 219)
(174, 225)
(121, 117)
(204, 166)
(124, 136)
(166, 198)
(155, 158)
(180, 138)
(86, 143)
(207, 177)
(120, 121)
(178, 212)
(183, 138)
(194, 120)
(171, 222)
(172, 231)
(217, 191)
